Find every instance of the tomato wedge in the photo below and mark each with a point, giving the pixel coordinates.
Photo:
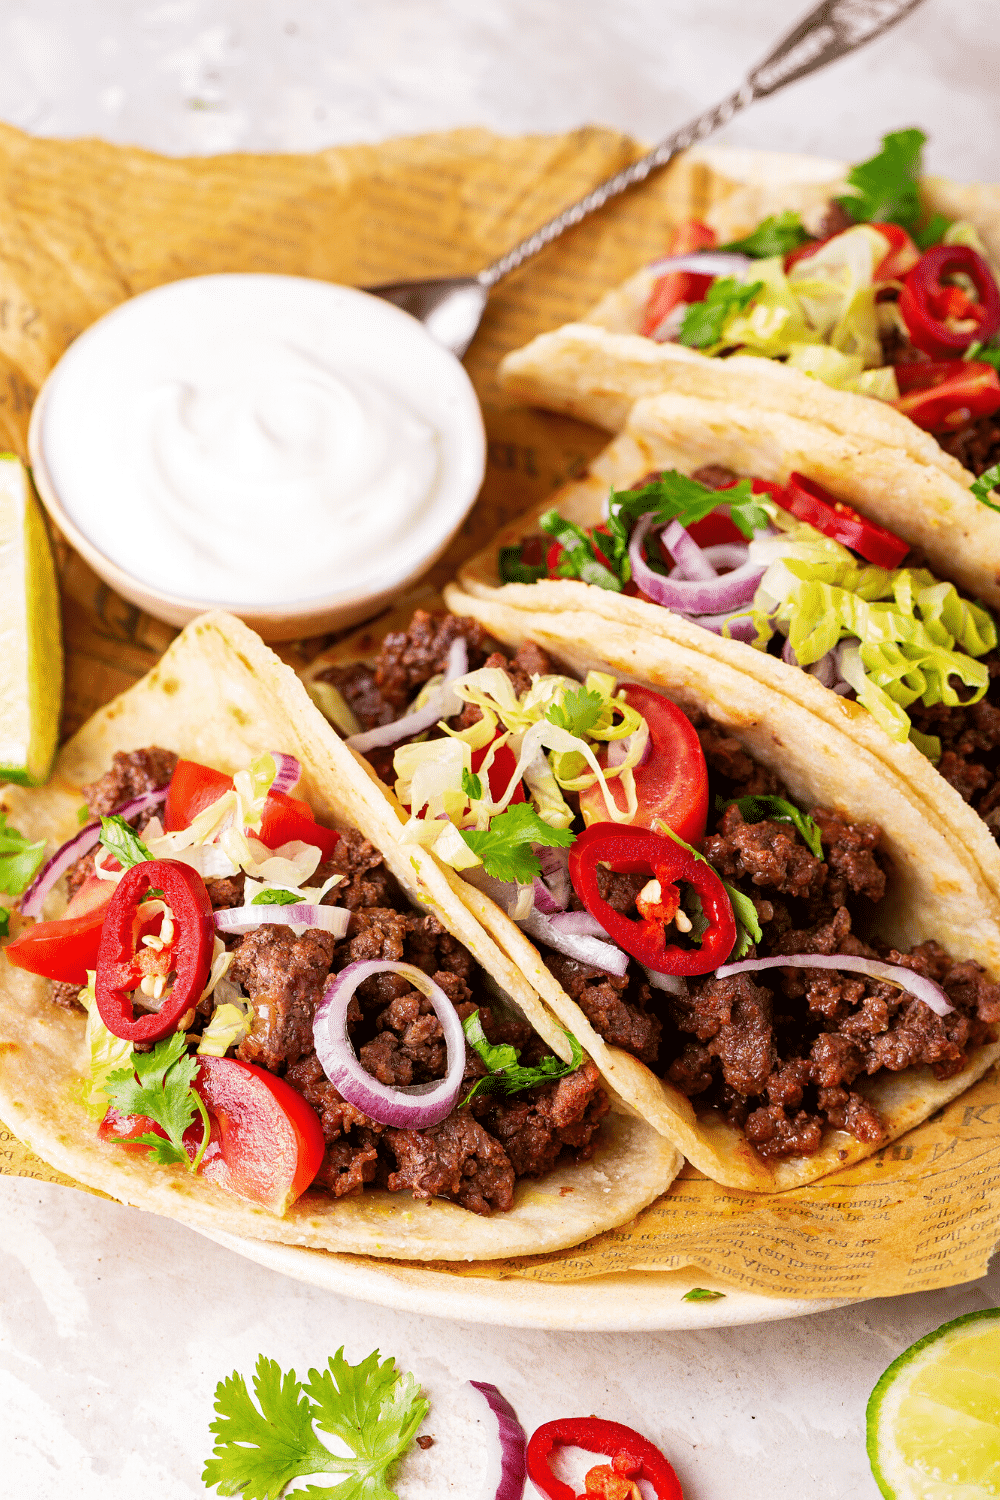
(679, 286)
(94, 894)
(286, 818)
(62, 950)
(672, 785)
(942, 395)
(502, 768)
(266, 1143)
(193, 787)
(810, 502)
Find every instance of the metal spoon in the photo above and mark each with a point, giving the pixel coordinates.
(451, 307)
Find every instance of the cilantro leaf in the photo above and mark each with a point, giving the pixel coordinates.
(4, 921)
(472, 785)
(505, 1076)
(19, 858)
(579, 557)
(578, 712)
(777, 235)
(514, 568)
(158, 1084)
(505, 847)
(704, 321)
(985, 486)
(932, 232)
(372, 1408)
(275, 898)
(701, 1294)
(123, 842)
(886, 186)
(986, 354)
(778, 810)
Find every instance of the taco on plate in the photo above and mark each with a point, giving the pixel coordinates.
(763, 944)
(869, 305)
(262, 1014)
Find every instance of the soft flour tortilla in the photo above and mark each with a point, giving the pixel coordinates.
(930, 894)
(684, 432)
(220, 696)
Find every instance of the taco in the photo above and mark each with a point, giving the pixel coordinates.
(725, 898)
(869, 305)
(268, 930)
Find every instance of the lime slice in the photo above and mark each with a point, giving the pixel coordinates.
(30, 634)
(934, 1417)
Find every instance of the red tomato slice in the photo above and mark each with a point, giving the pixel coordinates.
(286, 818)
(810, 502)
(679, 286)
(714, 529)
(672, 785)
(266, 1142)
(943, 394)
(62, 950)
(94, 894)
(902, 257)
(193, 787)
(501, 770)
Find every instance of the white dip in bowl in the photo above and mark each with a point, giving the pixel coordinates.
(289, 449)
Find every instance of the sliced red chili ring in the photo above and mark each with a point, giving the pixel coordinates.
(942, 395)
(632, 1455)
(632, 851)
(121, 965)
(810, 502)
(926, 302)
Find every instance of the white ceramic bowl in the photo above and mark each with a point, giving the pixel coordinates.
(83, 434)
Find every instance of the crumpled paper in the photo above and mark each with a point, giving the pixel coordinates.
(85, 225)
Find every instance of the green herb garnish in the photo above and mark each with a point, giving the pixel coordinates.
(932, 232)
(578, 712)
(276, 898)
(4, 921)
(82, 814)
(777, 235)
(19, 858)
(373, 1409)
(158, 1084)
(701, 1294)
(886, 188)
(579, 559)
(704, 321)
(744, 912)
(505, 1075)
(777, 810)
(512, 567)
(123, 842)
(505, 847)
(985, 485)
(472, 785)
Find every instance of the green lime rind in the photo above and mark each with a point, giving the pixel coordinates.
(878, 1442)
(31, 669)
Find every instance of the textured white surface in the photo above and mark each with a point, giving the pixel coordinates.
(115, 1327)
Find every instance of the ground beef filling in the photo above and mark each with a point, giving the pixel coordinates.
(474, 1156)
(779, 1053)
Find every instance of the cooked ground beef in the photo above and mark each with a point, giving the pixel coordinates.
(132, 773)
(620, 1021)
(457, 1159)
(714, 476)
(970, 745)
(284, 976)
(976, 445)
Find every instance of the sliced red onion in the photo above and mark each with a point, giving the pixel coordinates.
(578, 924)
(705, 262)
(686, 553)
(544, 900)
(75, 848)
(726, 556)
(674, 984)
(788, 654)
(503, 893)
(618, 751)
(411, 1108)
(555, 873)
(923, 989)
(288, 771)
(506, 1465)
(730, 592)
(235, 920)
(586, 950)
(442, 704)
(736, 627)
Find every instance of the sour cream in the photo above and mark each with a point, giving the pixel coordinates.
(260, 441)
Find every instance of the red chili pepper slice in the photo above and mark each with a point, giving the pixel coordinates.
(810, 502)
(122, 963)
(632, 1456)
(631, 851)
(927, 302)
(679, 286)
(902, 257)
(942, 395)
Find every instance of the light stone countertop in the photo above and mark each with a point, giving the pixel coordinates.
(114, 1326)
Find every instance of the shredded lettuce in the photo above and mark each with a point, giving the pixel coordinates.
(108, 1053)
(835, 289)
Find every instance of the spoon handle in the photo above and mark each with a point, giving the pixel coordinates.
(832, 30)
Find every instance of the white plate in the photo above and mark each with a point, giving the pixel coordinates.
(632, 1302)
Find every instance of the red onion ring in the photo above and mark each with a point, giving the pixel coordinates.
(235, 920)
(916, 985)
(585, 949)
(705, 262)
(738, 627)
(555, 874)
(406, 1108)
(75, 848)
(686, 553)
(578, 924)
(287, 773)
(506, 1465)
(442, 705)
(730, 592)
(727, 555)
(544, 900)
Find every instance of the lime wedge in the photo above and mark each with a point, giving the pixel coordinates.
(934, 1417)
(30, 633)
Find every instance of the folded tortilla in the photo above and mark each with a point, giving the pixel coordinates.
(931, 893)
(221, 697)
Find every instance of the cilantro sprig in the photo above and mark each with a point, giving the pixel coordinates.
(704, 321)
(123, 842)
(778, 810)
(372, 1408)
(275, 898)
(985, 486)
(472, 785)
(886, 187)
(506, 1076)
(677, 497)
(578, 713)
(702, 1294)
(19, 858)
(505, 847)
(159, 1085)
(579, 559)
(777, 235)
